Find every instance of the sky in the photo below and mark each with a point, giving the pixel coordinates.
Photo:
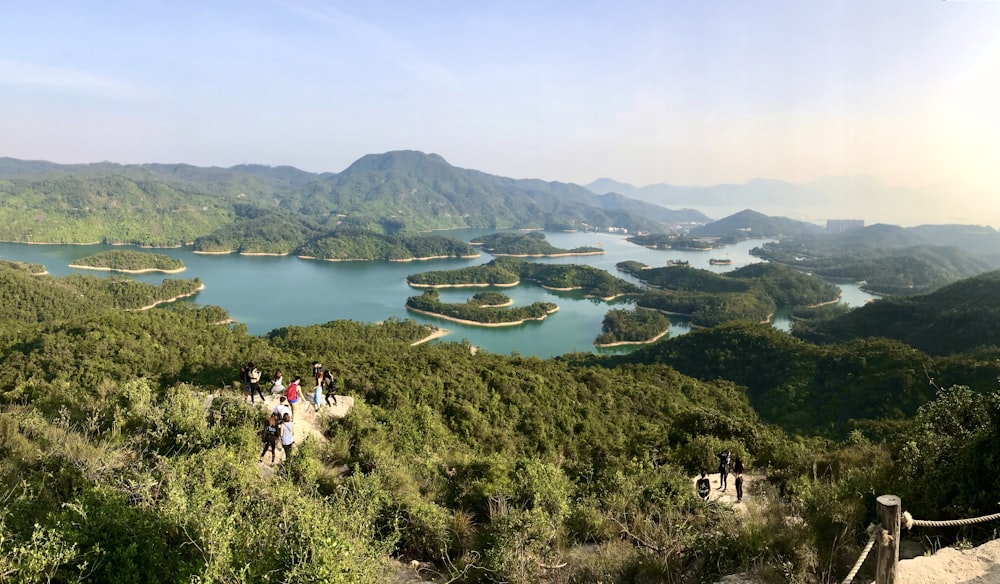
(685, 93)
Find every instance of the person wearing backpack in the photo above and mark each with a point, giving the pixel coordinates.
(329, 386)
(703, 485)
(292, 393)
(253, 377)
(270, 436)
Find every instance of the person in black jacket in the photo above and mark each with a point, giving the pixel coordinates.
(723, 469)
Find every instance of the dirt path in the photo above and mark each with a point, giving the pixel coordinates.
(307, 422)
(729, 495)
(979, 565)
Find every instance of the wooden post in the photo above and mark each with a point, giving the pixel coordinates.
(889, 511)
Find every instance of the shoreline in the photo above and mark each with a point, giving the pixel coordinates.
(621, 343)
(547, 255)
(437, 334)
(142, 271)
(412, 285)
(464, 257)
(474, 323)
(202, 252)
(834, 301)
(175, 298)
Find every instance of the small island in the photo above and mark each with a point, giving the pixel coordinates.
(632, 327)
(475, 313)
(130, 262)
(676, 242)
(508, 271)
(532, 244)
(491, 300)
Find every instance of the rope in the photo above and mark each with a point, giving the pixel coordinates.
(910, 522)
(873, 531)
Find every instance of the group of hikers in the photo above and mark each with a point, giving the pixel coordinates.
(703, 485)
(280, 424)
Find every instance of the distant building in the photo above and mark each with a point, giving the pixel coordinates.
(842, 225)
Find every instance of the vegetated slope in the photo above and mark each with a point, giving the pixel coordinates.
(33, 298)
(955, 319)
(749, 293)
(891, 259)
(113, 403)
(750, 224)
(809, 388)
(423, 191)
(481, 467)
(396, 191)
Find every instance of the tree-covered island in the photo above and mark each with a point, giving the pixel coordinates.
(476, 313)
(129, 261)
(748, 293)
(490, 299)
(632, 327)
(530, 244)
(676, 242)
(511, 271)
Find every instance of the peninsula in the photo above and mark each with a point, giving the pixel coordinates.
(528, 245)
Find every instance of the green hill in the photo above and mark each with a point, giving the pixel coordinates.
(751, 224)
(954, 319)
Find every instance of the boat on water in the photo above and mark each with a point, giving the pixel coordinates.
(720, 261)
(679, 263)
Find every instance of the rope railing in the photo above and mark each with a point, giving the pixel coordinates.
(873, 533)
(888, 532)
(909, 522)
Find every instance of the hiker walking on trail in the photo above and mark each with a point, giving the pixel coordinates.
(292, 393)
(287, 435)
(317, 396)
(270, 436)
(329, 387)
(281, 409)
(723, 469)
(703, 485)
(277, 385)
(253, 377)
(738, 471)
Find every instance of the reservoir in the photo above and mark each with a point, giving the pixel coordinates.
(266, 292)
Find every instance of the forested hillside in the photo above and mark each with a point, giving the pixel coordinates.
(128, 455)
(892, 260)
(275, 210)
(958, 318)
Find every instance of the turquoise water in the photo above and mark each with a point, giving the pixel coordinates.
(270, 292)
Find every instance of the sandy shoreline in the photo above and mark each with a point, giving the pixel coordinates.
(834, 301)
(474, 323)
(412, 285)
(142, 271)
(178, 297)
(547, 255)
(620, 343)
(434, 335)
(198, 251)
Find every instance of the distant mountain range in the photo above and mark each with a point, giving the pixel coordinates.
(844, 197)
(163, 204)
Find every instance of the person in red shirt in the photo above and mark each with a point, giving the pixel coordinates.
(292, 393)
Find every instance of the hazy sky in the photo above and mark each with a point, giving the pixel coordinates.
(686, 92)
